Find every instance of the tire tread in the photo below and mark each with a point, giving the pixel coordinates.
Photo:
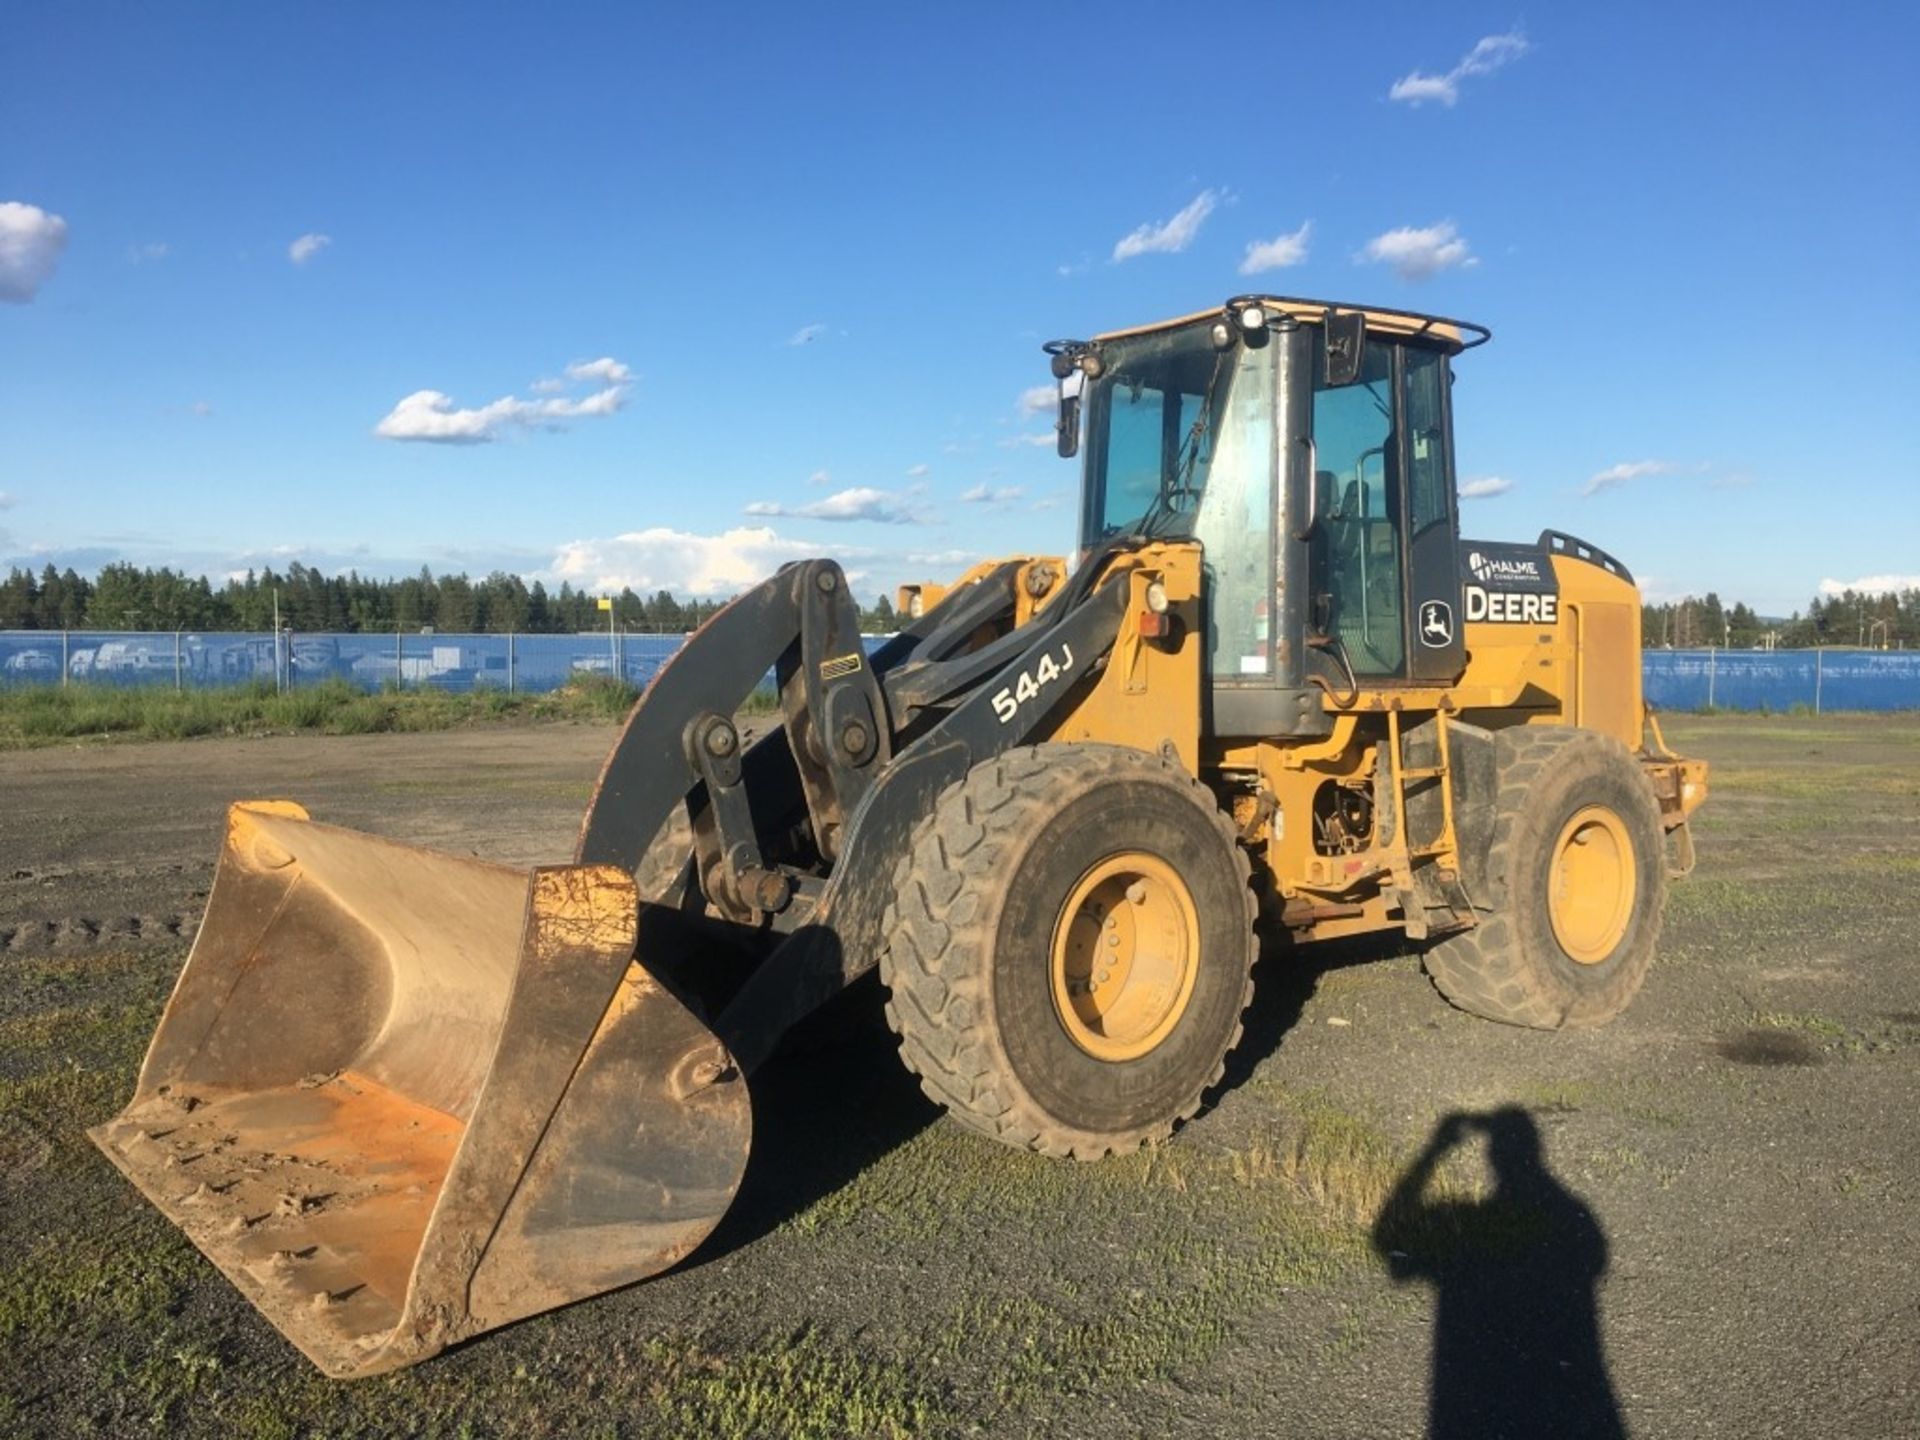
(940, 941)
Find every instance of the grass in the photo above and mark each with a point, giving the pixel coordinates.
(948, 1287)
(1156, 1261)
(52, 714)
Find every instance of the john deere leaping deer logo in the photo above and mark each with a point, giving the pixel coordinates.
(1436, 624)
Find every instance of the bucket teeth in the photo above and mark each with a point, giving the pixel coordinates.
(393, 1096)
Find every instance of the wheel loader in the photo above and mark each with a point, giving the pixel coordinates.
(400, 1097)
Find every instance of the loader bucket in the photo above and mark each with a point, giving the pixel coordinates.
(400, 1097)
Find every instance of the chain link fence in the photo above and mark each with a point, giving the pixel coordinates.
(182, 660)
(1815, 680)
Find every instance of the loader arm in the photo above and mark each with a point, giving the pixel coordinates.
(842, 940)
(793, 842)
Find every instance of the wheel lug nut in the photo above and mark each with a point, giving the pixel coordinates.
(1112, 940)
(1137, 892)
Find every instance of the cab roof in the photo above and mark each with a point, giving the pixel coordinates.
(1453, 335)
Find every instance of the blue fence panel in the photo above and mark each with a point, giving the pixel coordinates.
(1870, 680)
(1674, 679)
(1782, 679)
(1733, 679)
(30, 657)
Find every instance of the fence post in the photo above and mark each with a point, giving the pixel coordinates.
(1710, 669)
(510, 663)
(1819, 654)
(177, 684)
(66, 657)
(399, 659)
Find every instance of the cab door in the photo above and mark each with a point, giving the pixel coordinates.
(1436, 650)
(1383, 565)
(1356, 569)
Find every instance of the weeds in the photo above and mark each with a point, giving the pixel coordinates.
(48, 715)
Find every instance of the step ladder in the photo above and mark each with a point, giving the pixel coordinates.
(1442, 852)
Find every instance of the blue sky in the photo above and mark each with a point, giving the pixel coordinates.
(307, 283)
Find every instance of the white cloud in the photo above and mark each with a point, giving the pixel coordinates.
(1658, 590)
(202, 408)
(1277, 253)
(862, 502)
(1626, 470)
(942, 559)
(914, 472)
(154, 250)
(431, 415)
(604, 371)
(1169, 237)
(1485, 488)
(306, 247)
(984, 494)
(1039, 399)
(820, 477)
(806, 334)
(1035, 438)
(1419, 254)
(1870, 585)
(1487, 56)
(6, 501)
(30, 244)
(676, 560)
(548, 385)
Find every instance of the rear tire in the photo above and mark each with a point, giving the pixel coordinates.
(1576, 880)
(1009, 1004)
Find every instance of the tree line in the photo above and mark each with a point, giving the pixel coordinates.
(1888, 621)
(129, 597)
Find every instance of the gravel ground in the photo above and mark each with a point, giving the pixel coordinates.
(1698, 1221)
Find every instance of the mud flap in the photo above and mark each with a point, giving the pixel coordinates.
(400, 1097)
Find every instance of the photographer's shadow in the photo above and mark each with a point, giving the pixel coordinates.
(1516, 1332)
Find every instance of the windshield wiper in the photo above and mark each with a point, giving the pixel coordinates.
(1181, 482)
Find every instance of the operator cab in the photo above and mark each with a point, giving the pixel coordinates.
(1308, 447)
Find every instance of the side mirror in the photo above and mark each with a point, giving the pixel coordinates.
(1072, 375)
(1064, 361)
(1346, 344)
(1067, 428)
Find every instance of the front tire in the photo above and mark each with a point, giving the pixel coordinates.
(1070, 948)
(1575, 880)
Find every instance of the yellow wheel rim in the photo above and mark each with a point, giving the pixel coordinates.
(1125, 950)
(1591, 887)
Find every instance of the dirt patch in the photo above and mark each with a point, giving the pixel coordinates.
(1766, 1047)
(1720, 1230)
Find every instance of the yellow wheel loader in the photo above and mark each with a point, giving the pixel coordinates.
(401, 1097)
